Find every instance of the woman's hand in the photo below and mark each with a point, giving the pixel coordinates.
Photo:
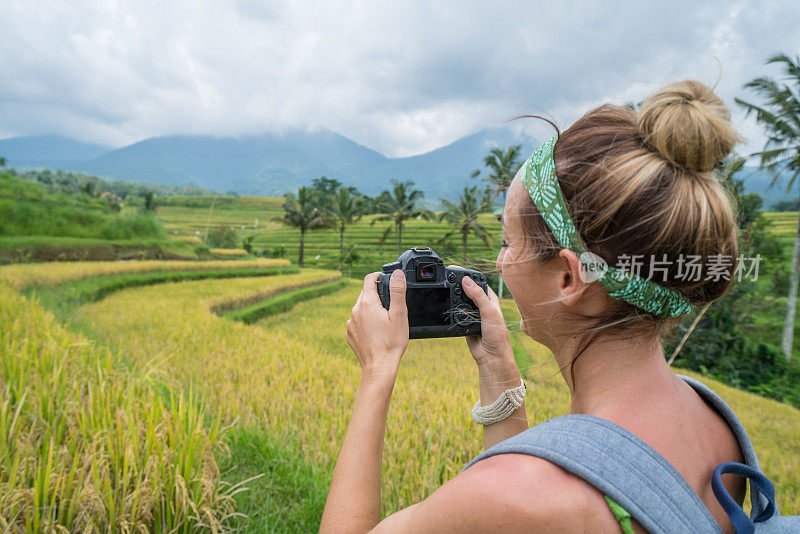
(497, 369)
(378, 336)
(494, 343)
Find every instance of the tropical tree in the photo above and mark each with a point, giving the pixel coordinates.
(503, 166)
(633, 106)
(346, 208)
(2, 161)
(149, 201)
(779, 114)
(352, 255)
(247, 243)
(464, 215)
(304, 212)
(327, 187)
(398, 206)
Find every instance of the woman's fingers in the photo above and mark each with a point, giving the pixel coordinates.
(493, 296)
(476, 294)
(369, 293)
(397, 302)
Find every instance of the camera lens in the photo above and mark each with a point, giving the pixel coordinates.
(427, 272)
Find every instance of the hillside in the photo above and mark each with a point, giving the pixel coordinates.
(51, 151)
(29, 208)
(272, 164)
(40, 223)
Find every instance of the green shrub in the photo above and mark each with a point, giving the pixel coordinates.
(743, 363)
(221, 237)
(133, 226)
(278, 251)
(247, 244)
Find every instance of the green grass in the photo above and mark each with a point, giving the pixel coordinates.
(282, 302)
(285, 493)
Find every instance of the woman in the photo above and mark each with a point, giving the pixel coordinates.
(635, 185)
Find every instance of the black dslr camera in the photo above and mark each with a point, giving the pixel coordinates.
(437, 305)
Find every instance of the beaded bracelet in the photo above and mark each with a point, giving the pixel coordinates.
(506, 403)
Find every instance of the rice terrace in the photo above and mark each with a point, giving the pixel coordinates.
(130, 398)
(201, 281)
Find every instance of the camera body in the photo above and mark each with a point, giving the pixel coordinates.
(437, 305)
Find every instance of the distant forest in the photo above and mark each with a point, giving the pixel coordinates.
(787, 205)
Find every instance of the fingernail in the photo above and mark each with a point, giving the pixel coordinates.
(398, 274)
(467, 281)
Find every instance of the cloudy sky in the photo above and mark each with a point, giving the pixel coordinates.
(399, 77)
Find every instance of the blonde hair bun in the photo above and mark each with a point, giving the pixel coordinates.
(688, 125)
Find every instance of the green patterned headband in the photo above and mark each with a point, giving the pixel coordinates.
(539, 179)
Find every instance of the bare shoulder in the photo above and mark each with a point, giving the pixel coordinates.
(515, 492)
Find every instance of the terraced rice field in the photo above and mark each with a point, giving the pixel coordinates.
(191, 220)
(286, 384)
(23, 275)
(784, 222)
(322, 245)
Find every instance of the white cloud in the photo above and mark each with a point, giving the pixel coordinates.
(401, 78)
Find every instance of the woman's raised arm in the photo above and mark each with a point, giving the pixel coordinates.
(497, 369)
(379, 337)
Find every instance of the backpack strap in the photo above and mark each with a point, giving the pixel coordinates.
(619, 464)
(759, 502)
(741, 522)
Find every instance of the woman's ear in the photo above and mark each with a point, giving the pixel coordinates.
(570, 283)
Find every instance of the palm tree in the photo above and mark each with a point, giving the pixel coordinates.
(464, 215)
(504, 165)
(780, 117)
(397, 206)
(345, 209)
(2, 161)
(633, 106)
(303, 212)
(352, 255)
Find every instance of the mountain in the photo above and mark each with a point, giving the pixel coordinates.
(445, 171)
(257, 165)
(758, 181)
(48, 151)
(268, 164)
(271, 164)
